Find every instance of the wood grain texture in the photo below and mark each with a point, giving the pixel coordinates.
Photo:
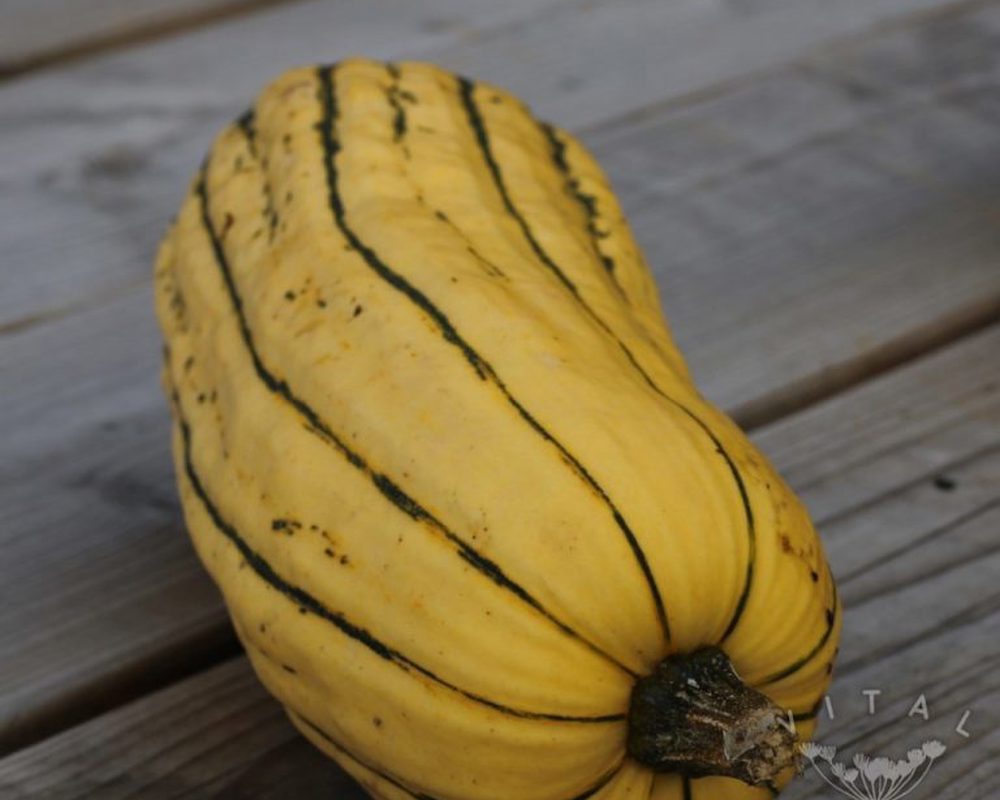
(791, 254)
(916, 556)
(103, 150)
(36, 33)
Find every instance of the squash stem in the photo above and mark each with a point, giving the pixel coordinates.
(694, 716)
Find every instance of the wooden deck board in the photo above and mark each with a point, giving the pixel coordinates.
(916, 559)
(795, 256)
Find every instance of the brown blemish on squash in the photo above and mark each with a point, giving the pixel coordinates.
(288, 526)
(178, 305)
(308, 328)
(292, 88)
(806, 555)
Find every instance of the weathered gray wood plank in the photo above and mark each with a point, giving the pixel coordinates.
(79, 147)
(916, 557)
(35, 33)
(790, 257)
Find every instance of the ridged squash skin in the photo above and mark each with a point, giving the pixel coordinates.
(438, 450)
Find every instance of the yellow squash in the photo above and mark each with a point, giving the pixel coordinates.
(475, 526)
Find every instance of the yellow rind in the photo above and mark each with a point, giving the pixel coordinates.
(549, 421)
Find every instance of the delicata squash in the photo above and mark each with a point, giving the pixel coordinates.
(474, 525)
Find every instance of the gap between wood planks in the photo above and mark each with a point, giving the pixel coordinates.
(197, 653)
(141, 32)
(937, 334)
